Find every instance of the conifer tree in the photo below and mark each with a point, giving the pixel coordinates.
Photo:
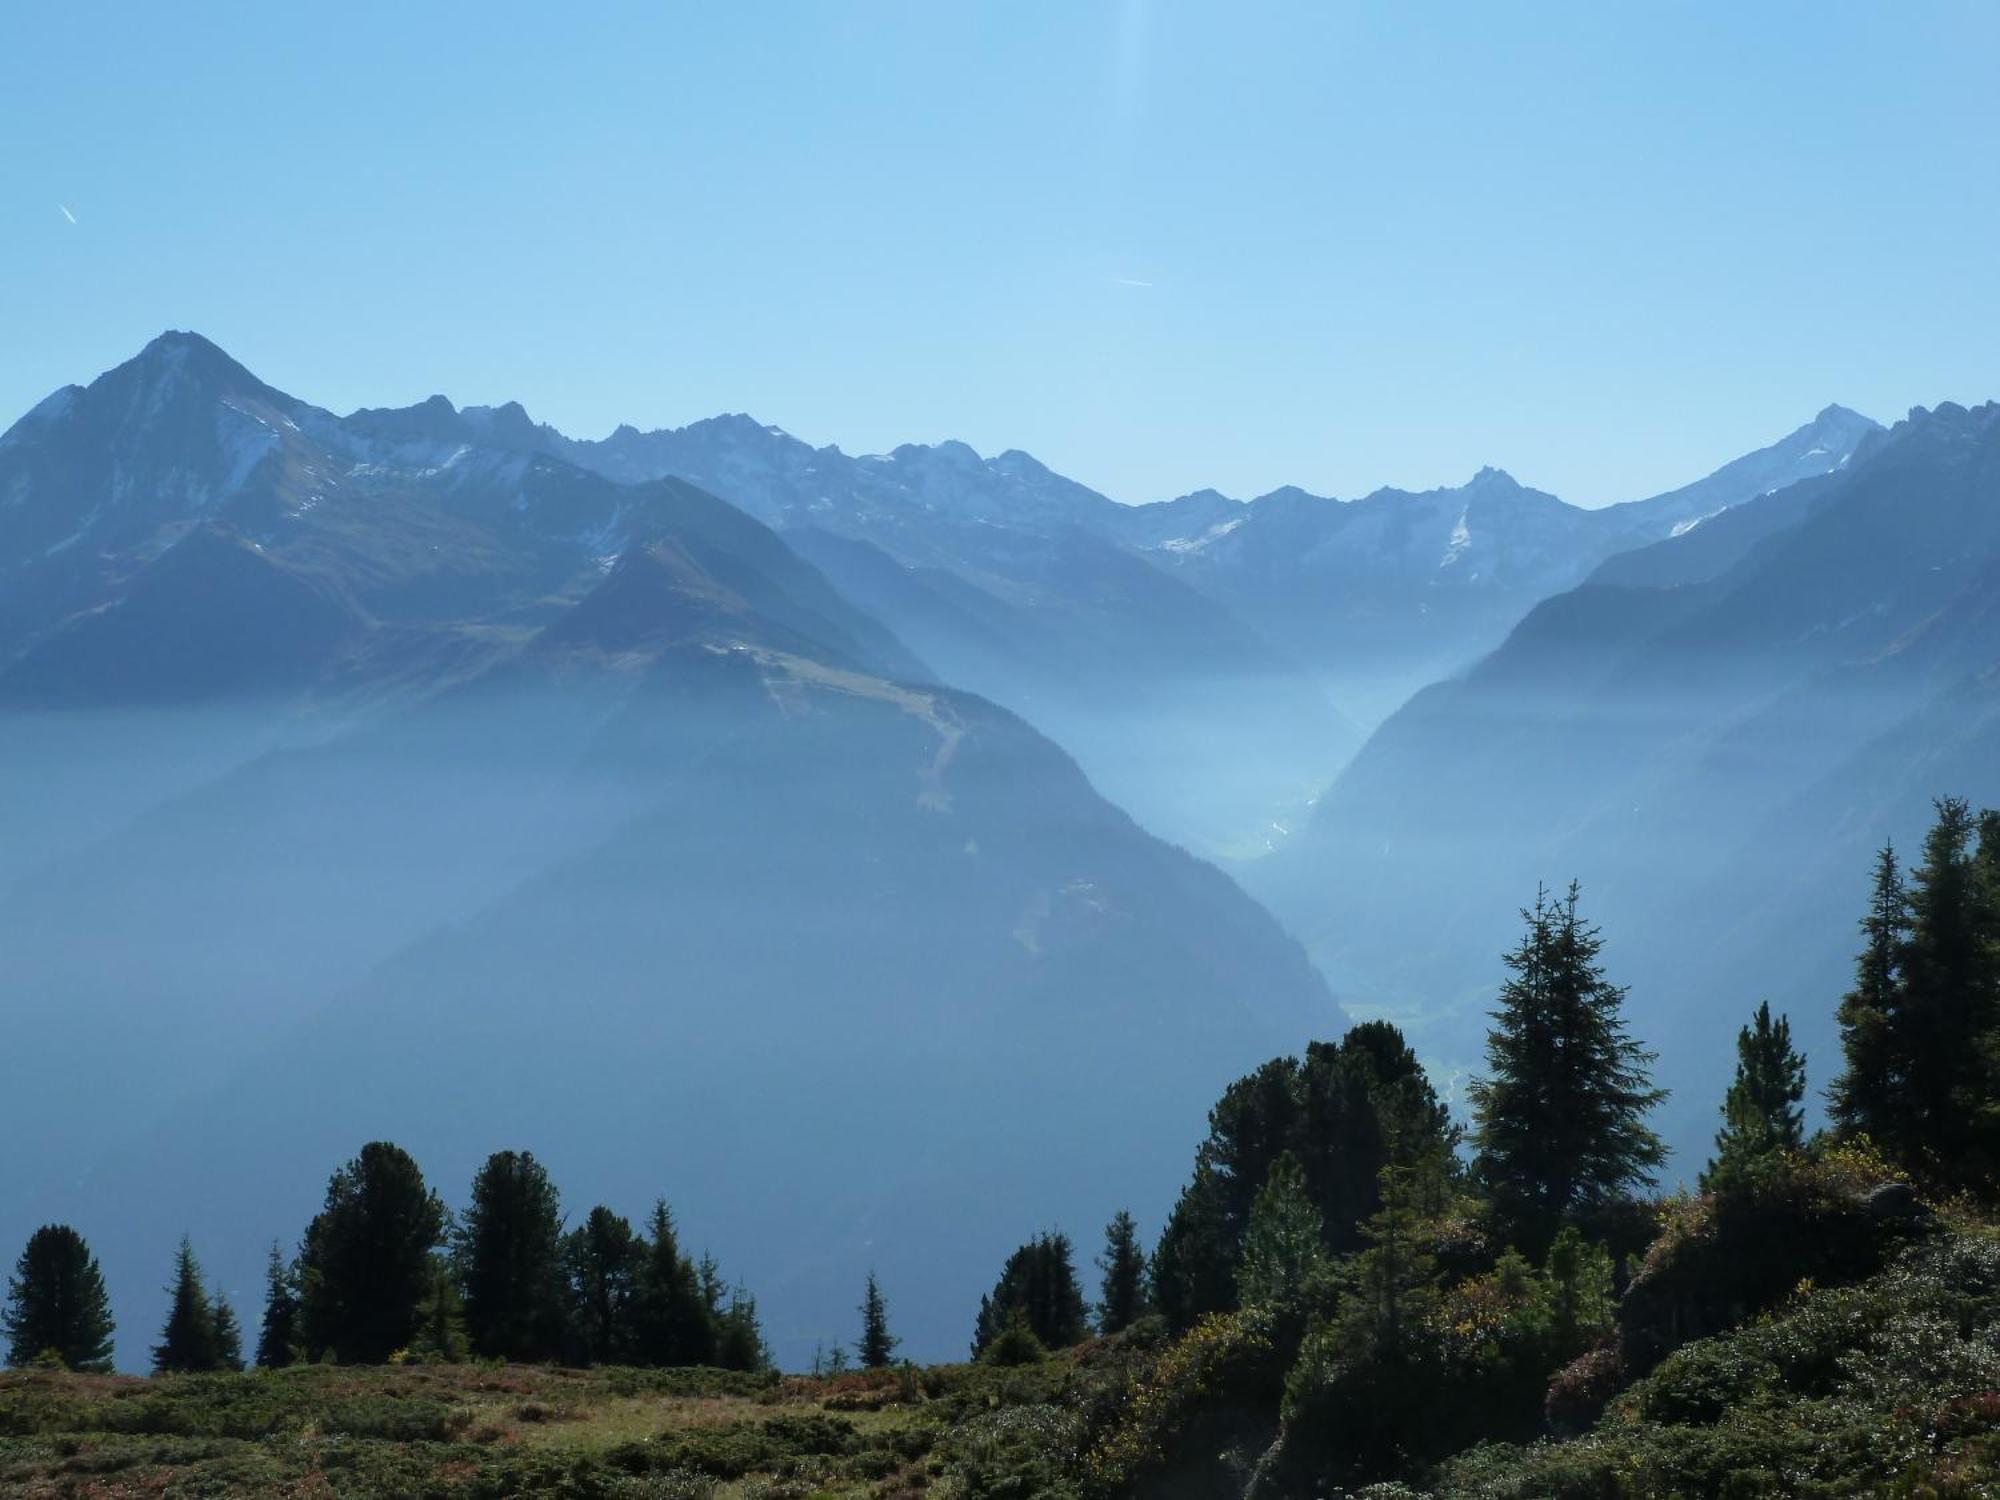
(739, 1338)
(1918, 1030)
(1871, 1095)
(1039, 1284)
(1282, 1252)
(603, 1257)
(1342, 1113)
(228, 1332)
(366, 1270)
(1194, 1265)
(1123, 1290)
(1951, 1000)
(878, 1345)
(1761, 1117)
(188, 1342)
(56, 1303)
(278, 1336)
(509, 1260)
(671, 1322)
(1560, 1118)
(440, 1337)
(1393, 1285)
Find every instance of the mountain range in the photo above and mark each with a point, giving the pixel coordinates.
(1714, 733)
(701, 808)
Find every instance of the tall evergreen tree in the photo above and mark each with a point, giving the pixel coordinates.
(1039, 1285)
(1393, 1286)
(739, 1338)
(1560, 1118)
(1283, 1254)
(878, 1345)
(366, 1268)
(671, 1322)
(603, 1257)
(1918, 1030)
(1761, 1117)
(1871, 1095)
(188, 1342)
(1194, 1265)
(56, 1303)
(1123, 1292)
(1951, 1000)
(1345, 1112)
(509, 1260)
(279, 1336)
(228, 1332)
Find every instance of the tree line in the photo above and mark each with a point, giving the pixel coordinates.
(386, 1273)
(1333, 1168)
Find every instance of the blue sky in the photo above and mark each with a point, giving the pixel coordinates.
(1159, 245)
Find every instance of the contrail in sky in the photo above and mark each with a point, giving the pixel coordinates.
(66, 213)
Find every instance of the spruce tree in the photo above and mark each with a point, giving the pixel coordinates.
(1039, 1285)
(1393, 1286)
(509, 1260)
(1194, 1264)
(228, 1332)
(1951, 1002)
(1123, 1290)
(1344, 1112)
(1871, 1095)
(188, 1342)
(56, 1303)
(1761, 1118)
(603, 1257)
(1560, 1117)
(739, 1338)
(1283, 1255)
(878, 1345)
(366, 1271)
(279, 1335)
(671, 1322)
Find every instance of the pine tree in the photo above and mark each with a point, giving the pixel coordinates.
(671, 1322)
(1393, 1286)
(509, 1260)
(1918, 1030)
(1951, 1001)
(1577, 1282)
(440, 1337)
(1871, 1096)
(366, 1268)
(188, 1342)
(1560, 1120)
(878, 1345)
(1342, 1113)
(56, 1303)
(739, 1338)
(278, 1337)
(1194, 1264)
(1039, 1285)
(228, 1332)
(603, 1258)
(1761, 1117)
(1123, 1290)
(1282, 1252)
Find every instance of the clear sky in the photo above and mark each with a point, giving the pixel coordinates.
(1161, 245)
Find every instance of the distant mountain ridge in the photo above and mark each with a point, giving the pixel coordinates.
(1305, 620)
(362, 780)
(1713, 733)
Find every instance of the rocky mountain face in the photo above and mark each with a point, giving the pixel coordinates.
(1386, 594)
(362, 781)
(1713, 734)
